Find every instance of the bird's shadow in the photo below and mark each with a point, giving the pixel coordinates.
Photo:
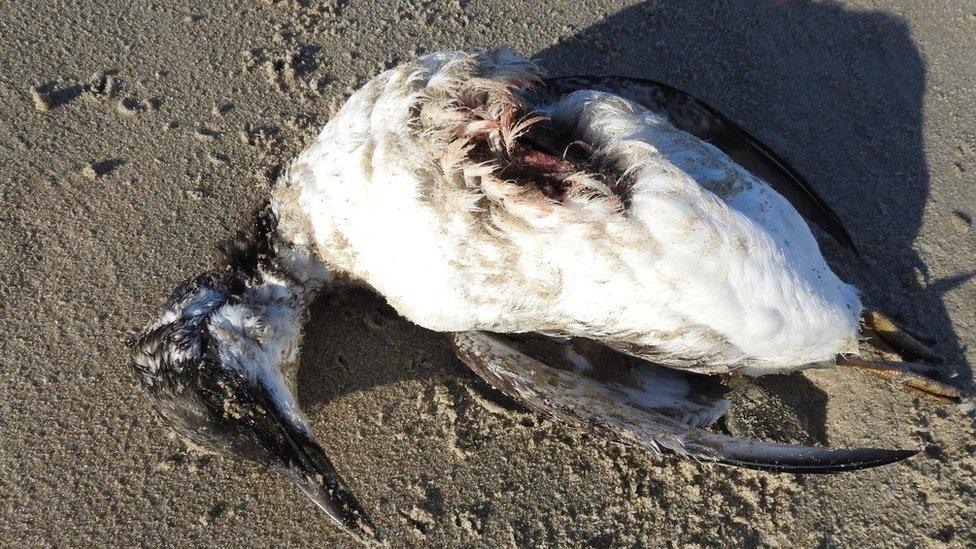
(356, 341)
(838, 92)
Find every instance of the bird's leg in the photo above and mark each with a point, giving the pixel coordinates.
(903, 343)
(907, 374)
(913, 377)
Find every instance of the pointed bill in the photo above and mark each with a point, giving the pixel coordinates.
(316, 476)
(300, 458)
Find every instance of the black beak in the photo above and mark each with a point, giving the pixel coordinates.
(312, 471)
(302, 460)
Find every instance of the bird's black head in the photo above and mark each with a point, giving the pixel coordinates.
(213, 364)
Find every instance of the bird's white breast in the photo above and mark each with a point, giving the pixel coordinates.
(707, 265)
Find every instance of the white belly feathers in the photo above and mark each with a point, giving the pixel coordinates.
(704, 267)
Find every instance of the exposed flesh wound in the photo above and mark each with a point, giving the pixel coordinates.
(543, 158)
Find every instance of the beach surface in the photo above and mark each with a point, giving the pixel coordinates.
(138, 135)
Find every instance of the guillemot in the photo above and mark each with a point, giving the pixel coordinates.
(598, 248)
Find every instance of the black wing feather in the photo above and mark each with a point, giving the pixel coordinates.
(603, 409)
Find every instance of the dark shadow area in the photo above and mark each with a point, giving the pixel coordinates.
(349, 334)
(341, 356)
(104, 167)
(785, 408)
(838, 93)
(51, 95)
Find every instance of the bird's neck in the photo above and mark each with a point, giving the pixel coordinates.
(265, 264)
(273, 279)
(296, 270)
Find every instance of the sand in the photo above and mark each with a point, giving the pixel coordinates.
(137, 135)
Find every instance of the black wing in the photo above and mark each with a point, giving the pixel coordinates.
(690, 114)
(662, 411)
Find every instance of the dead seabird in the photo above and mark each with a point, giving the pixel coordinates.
(542, 223)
